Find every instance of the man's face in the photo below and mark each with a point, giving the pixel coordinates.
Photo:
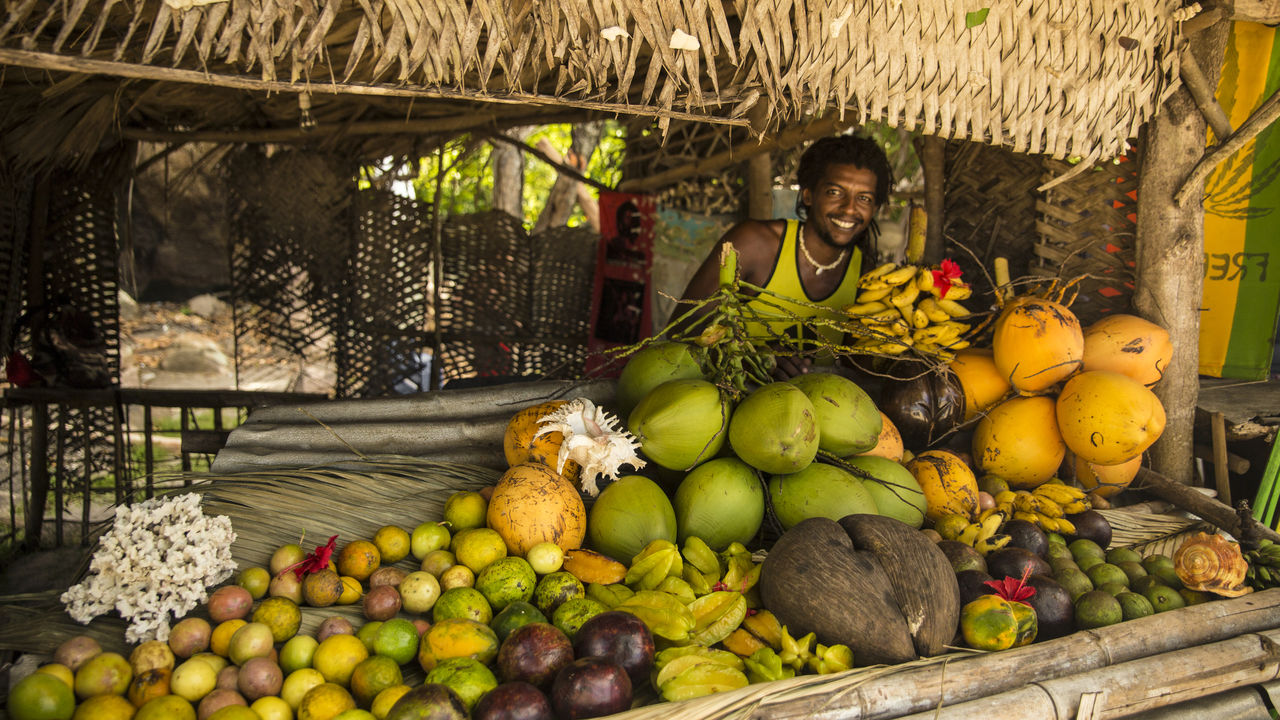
(841, 204)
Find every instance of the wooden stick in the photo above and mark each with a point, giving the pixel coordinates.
(1260, 120)
(50, 61)
(1221, 470)
(934, 161)
(1236, 464)
(781, 141)
(1198, 85)
(1187, 498)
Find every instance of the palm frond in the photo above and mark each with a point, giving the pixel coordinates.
(1149, 533)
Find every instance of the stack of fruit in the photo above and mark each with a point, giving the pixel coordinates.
(904, 307)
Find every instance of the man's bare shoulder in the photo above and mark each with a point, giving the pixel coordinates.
(758, 243)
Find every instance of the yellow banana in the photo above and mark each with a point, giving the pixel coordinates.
(1030, 517)
(919, 319)
(1005, 497)
(886, 315)
(952, 308)
(940, 334)
(1066, 527)
(1077, 506)
(904, 296)
(988, 545)
(872, 294)
(958, 345)
(901, 275)
(1061, 494)
(866, 308)
(924, 280)
(990, 525)
(882, 270)
(930, 307)
(959, 291)
(1048, 523)
(1025, 502)
(1045, 506)
(969, 535)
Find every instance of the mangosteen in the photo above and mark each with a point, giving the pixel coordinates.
(1055, 612)
(590, 687)
(1013, 561)
(513, 701)
(961, 556)
(1092, 525)
(534, 653)
(620, 637)
(1027, 535)
(973, 585)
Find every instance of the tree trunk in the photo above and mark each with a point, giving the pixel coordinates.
(1170, 253)
(508, 174)
(563, 194)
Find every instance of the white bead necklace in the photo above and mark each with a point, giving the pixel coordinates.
(819, 268)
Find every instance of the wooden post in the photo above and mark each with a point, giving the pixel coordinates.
(1170, 253)
(934, 160)
(759, 171)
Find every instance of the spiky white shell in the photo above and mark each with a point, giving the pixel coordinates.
(592, 439)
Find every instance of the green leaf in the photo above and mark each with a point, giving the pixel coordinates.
(976, 18)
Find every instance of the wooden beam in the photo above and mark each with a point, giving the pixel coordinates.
(760, 171)
(90, 66)
(1262, 118)
(934, 160)
(1265, 12)
(781, 141)
(1197, 503)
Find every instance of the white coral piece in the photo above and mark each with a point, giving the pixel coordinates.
(591, 439)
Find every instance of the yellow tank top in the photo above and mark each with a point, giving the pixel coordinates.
(785, 281)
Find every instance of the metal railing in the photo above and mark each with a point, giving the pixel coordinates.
(73, 453)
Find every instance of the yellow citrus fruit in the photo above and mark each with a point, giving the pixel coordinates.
(105, 707)
(385, 699)
(393, 543)
(478, 547)
(281, 615)
(41, 696)
(356, 714)
(217, 662)
(337, 656)
(372, 676)
(359, 558)
(166, 707)
(234, 712)
(193, 679)
(457, 576)
(220, 640)
(106, 673)
(457, 637)
(60, 671)
(322, 588)
(271, 707)
(325, 702)
(298, 684)
(351, 591)
(256, 580)
(465, 510)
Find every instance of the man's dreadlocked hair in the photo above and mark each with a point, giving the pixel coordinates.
(853, 150)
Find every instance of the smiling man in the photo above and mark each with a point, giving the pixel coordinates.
(844, 181)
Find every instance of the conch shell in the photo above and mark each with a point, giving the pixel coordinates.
(1211, 563)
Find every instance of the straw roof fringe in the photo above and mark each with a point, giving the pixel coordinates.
(1040, 76)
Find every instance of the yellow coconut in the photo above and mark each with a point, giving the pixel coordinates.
(533, 504)
(1129, 345)
(1018, 440)
(521, 442)
(982, 383)
(889, 443)
(1037, 344)
(1108, 418)
(1106, 480)
(949, 485)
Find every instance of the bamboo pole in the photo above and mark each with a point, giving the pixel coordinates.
(1261, 119)
(949, 682)
(1132, 687)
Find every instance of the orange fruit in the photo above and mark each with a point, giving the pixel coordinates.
(393, 543)
(386, 699)
(220, 640)
(373, 675)
(337, 656)
(325, 702)
(105, 707)
(358, 559)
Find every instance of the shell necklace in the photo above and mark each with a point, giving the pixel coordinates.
(819, 268)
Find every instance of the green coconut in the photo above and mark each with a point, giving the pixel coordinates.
(681, 423)
(819, 490)
(848, 419)
(895, 490)
(721, 502)
(651, 366)
(775, 429)
(628, 515)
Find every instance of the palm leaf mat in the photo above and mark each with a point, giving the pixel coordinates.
(351, 500)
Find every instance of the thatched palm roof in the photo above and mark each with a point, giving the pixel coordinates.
(1043, 76)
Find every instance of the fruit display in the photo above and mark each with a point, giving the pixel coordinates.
(711, 536)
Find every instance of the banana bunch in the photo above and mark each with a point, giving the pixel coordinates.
(902, 308)
(1046, 506)
(982, 534)
(1264, 566)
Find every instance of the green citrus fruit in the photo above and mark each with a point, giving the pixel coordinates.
(462, 602)
(1097, 608)
(427, 537)
(373, 675)
(464, 510)
(41, 696)
(467, 677)
(281, 615)
(514, 616)
(505, 581)
(397, 639)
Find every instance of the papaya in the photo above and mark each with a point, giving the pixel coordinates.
(989, 623)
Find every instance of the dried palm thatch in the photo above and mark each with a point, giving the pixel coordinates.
(1040, 76)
